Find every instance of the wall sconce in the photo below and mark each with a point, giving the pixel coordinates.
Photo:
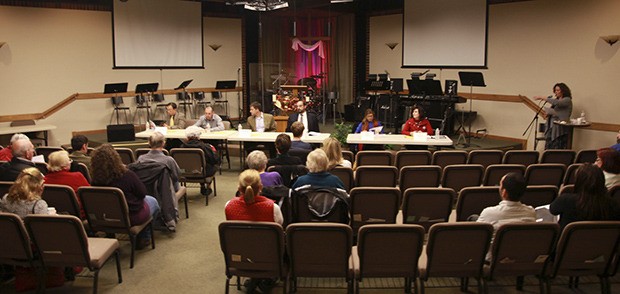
(391, 45)
(215, 46)
(2, 44)
(611, 39)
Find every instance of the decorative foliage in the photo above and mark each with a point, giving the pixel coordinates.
(341, 131)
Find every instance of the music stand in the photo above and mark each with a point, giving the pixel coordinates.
(471, 79)
(225, 85)
(147, 88)
(183, 85)
(116, 100)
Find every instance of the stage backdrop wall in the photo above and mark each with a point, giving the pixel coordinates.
(52, 53)
(532, 45)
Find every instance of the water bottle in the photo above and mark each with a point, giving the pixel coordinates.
(240, 127)
(582, 118)
(208, 127)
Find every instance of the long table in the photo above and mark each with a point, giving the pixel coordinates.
(398, 139)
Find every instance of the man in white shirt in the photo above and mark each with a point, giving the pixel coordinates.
(260, 121)
(511, 188)
(308, 119)
(212, 119)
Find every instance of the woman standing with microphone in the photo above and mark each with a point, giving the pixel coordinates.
(556, 136)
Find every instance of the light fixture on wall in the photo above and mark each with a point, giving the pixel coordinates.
(611, 39)
(215, 46)
(2, 44)
(391, 45)
(260, 5)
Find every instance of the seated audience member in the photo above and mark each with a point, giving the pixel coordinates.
(608, 160)
(332, 149)
(79, 153)
(23, 151)
(589, 201)
(318, 176)
(283, 145)
(367, 123)
(6, 154)
(251, 206)
(298, 129)
(58, 173)
(617, 145)
(192, 133)
(257, 160)
(511, 188)
(109, 170)
(157, 141)
(24, 196)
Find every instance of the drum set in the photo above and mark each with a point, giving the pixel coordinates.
(287, 91)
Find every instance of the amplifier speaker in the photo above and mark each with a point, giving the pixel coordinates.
(117, 133)
(397, 85)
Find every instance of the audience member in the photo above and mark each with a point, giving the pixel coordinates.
(511, 188)
(23, 151)
(109, 170)
(260, 121)
(333, 150)
(157, 141)
(257, 160)
(24, 196)
(211, 119)
(296, 143)
(79, 153)
(589, 201)
(192, 133)
(318, 176)
(617, 145)
(283, 145)
(6, 154)
(308, 120)
(251, 206)
(59, 173)
(608, 160)
(175, 119)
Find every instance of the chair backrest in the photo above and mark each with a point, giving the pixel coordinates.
(300, 153)
(106, 209)
(485, 157)
(376, 176)
(472, 200)
(569, 176)
(348, 155)
(371, 157)
(494, 173)
(412, 157)
(459, 176)
(320, 204)
(539, 195)
(586, 155)
(47, 150)
(545, 174)
(318, 249)
(565, 157)
(252, 249)
(345, 174)
(191, 161)
(227, 124)
(419, 176)
(62, 198)
(15, 247)
(525, 157)
(566, 189)
(586, 248)
(389, 250)
(42, 167)
(457, 249)
(427, 206)
(141, 151)
(614, 193)
(522, 248)
(4, 187)
(126, 154)
(374, 205)
(54, 250)
(289, 172)
(444, 158)
(83, 169)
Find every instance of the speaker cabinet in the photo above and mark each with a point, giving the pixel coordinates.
(118, 133)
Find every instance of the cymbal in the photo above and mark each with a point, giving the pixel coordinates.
(319, 76)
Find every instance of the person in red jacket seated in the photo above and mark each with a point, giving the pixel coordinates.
(6, 154)
(251, 206)
(59, 174)
(417, 123)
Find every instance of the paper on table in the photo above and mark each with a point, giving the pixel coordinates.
(376, 130)
(162, 130)
(313, 133)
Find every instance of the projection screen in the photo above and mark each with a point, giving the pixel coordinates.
(157, 34)
(445, 33)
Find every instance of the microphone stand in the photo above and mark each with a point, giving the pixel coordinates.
(534, 120)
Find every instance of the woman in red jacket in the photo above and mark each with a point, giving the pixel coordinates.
(58, 173)
(417, 123)
(251, 206)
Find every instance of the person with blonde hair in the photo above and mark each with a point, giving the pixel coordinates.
(333, 150)
(24, 196)
(318, 176)
(251, 206)
(257, 160)
(59, 173)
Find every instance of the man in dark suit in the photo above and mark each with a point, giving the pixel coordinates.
(308, 119)
(23, 151)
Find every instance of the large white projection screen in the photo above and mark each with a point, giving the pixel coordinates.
(157, 34)
(445, 33)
